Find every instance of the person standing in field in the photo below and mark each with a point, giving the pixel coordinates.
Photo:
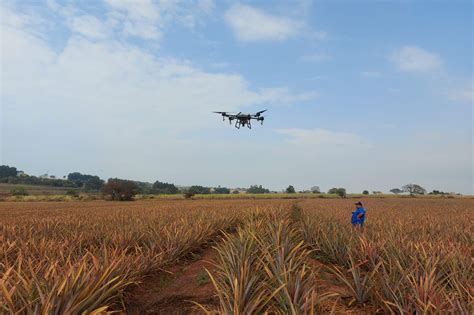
(358, 216)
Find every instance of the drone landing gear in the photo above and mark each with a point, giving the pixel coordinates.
(249, 125)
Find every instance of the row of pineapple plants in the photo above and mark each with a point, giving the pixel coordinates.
(394, 268)
(262, 268)
(81, 263)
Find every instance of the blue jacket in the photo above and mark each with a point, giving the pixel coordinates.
(355, 214)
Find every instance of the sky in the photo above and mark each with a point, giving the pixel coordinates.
(360, 94)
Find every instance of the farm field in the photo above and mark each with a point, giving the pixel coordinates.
(237, 256)
(35, 190)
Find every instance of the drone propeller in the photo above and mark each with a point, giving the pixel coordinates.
(260, 112)
(261, 119)
(224, 115)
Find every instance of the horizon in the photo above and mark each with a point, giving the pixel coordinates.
(365, 96)
(271, 190)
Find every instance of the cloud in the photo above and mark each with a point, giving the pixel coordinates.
(144, 19)
(321, 137)
(89, 26)
(415, 59)
(112, 84)
(317, 57)
(251, 24)
(464, 94)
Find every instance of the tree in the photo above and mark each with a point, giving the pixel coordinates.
(93, 184)
(438, 192)
(396, 191)
(290, 189)
(120, 189)
(376, 192)
(199, 190)
(315, 189)
(254, 189)
(221, 190)
(164, 188)
(81, 180)
(7, 171)
(365, 192)
(341, 192)
(414, 189)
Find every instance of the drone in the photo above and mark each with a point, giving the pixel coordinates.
(242, 119)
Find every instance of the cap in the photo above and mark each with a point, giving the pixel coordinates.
(358, 203)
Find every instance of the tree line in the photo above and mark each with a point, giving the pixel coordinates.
(124, 189)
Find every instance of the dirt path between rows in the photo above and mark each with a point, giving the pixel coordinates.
(174, 291)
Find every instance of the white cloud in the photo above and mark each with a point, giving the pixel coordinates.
(322, 137)
(464, 94)
(115, 84)
(317, 57)
(415, 59)
(89, 26)
(251, 24)
(141, 18)
(144, 19)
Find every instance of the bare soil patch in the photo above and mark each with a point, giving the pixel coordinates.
(174, 290)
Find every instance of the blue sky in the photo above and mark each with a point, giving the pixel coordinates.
(361, 94)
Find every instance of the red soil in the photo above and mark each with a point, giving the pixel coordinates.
(174, 291)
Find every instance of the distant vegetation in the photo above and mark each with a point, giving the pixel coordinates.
(76, 185)
(19, 191)
(7, 171)
(199, 190)
(164, 188)
(290, 190)
(396, 191)
(221, 190)
(254, 189)
(341, 192)
(120, 189)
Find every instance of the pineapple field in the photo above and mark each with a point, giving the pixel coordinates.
(237, 256)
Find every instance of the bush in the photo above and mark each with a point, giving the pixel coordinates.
(164, 188)
(196, 190)
(254, 189)
(365, 192)
(72, 193)
(341, 192)
(188, 195)
(221, 190)
(119, 189)
(19, 191)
